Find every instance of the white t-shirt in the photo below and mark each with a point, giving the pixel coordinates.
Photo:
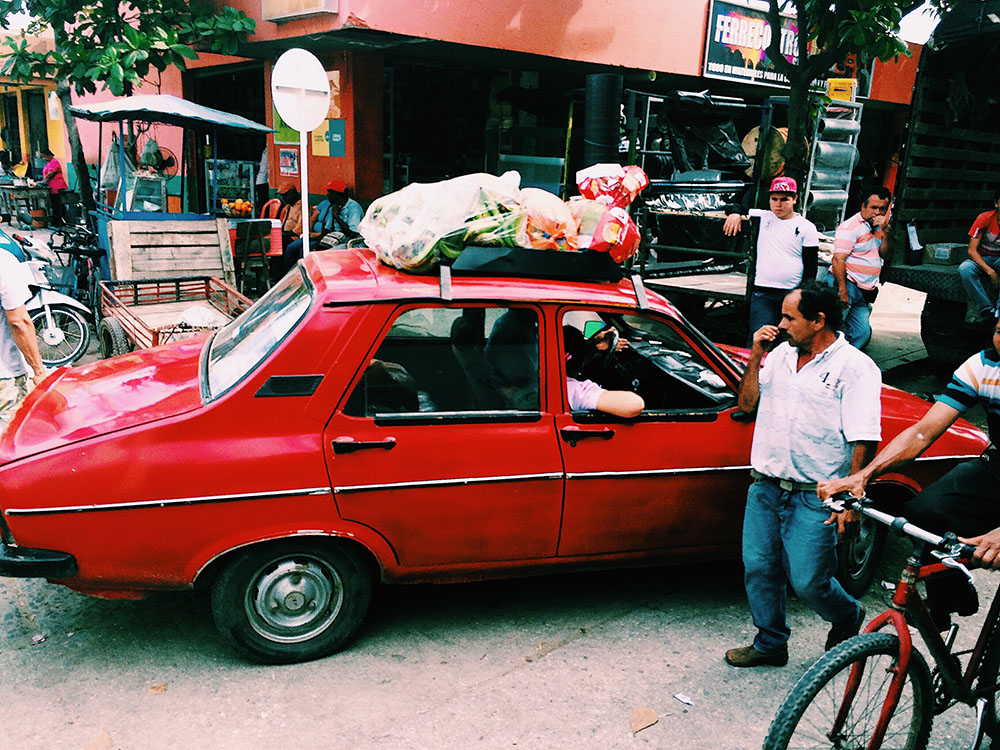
(13, 293)
(779, 248)
(807, 419)
(583, 394)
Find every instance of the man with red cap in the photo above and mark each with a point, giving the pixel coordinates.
(334, 223)
(787, 245)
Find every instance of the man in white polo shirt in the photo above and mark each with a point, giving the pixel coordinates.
(20, 362)
(859, 249)
(818, 413)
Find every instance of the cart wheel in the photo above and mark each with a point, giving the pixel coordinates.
(113, 339)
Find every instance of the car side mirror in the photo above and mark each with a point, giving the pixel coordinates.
(743, 416)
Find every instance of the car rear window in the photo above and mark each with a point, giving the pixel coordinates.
(239, 347)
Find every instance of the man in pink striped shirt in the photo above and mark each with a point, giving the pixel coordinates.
(859, 249)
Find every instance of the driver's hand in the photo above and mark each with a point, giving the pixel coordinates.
(847, 522)
(987, 549)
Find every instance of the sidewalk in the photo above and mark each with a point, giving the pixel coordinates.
(895, 325)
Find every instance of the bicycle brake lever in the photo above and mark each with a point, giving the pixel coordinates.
(951, 562)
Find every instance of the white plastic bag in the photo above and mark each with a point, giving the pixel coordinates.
(403, 227)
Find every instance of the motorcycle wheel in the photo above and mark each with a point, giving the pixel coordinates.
(66, 340)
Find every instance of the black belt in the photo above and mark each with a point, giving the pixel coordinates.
(786, 484)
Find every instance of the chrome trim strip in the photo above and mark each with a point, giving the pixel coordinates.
(445, 482)
(308, 491)
(948, 458)
(653, 472)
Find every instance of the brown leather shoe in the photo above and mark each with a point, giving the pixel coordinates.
(748, 656)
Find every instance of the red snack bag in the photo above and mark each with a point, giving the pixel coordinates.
(611, 184)
(604, 228)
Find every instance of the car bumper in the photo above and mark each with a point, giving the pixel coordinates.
(27, 562)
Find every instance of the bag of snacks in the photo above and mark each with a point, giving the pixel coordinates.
(604, 228)
(547, 223)
(611, 184)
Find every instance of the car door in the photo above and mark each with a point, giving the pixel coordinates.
(442, 445)
(675, 477)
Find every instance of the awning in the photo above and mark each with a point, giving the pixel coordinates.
(164, 108)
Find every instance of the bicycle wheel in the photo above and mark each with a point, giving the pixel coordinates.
(988, 676)
(66, 340)
(806, 717)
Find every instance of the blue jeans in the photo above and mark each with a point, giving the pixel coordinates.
(765, 308)
(857, 328)
(784, 540)
(978, 287)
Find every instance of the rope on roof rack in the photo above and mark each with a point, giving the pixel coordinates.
(446, 283)
(640, 292)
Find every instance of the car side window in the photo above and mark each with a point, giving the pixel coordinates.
(452, 360)
(648, 356)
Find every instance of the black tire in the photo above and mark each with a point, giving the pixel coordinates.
(948, 339)
(988, 676)
(113, 339)
(67, 340)
(806, 716)
(316, 597)
(859, 557)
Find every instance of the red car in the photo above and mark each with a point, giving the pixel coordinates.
(358, 424)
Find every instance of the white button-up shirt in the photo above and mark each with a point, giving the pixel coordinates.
(808, 419)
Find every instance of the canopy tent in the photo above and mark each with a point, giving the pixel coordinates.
(164, 108)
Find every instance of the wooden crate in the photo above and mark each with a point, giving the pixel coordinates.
(170, 248)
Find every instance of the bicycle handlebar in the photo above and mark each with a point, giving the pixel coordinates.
(949, 544)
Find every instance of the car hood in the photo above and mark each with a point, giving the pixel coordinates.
(78, 403)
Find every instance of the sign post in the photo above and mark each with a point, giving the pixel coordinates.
(300, 90)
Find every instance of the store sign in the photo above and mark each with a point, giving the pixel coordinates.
(286, 10)
(737, 40)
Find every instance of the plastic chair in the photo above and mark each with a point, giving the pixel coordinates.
(271, 209)
(253, 238)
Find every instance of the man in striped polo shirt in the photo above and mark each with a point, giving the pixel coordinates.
(859, 249)
(965, 499)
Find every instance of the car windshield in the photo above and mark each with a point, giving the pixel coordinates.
(239, 347)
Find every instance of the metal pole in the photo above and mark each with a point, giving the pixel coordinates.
(304, 177)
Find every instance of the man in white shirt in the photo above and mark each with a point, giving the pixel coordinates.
(20, 361)
(818, 413)
(787, 245)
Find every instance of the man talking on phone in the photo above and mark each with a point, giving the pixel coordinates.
(818, 408)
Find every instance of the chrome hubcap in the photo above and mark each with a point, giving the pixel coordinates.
(294, 600)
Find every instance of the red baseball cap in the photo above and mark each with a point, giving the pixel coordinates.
(337, 186)
(784, 185)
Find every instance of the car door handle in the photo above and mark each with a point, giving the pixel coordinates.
(574, 434)
(349, 444)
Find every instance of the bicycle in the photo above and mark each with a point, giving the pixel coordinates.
(875, 690)
(80, 245)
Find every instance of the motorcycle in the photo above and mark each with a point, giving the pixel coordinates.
(62, 323)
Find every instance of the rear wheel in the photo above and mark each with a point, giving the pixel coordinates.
(66, 339)
(113, 339)
(805, 719)
(291, 601)
(859, 555)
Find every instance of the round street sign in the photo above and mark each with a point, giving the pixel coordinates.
(300, 89)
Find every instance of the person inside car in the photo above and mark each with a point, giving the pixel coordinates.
(586, 394)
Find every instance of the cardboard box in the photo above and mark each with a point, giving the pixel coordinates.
(945, 253)
(844, 89)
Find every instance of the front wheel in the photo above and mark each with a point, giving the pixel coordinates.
(805, 719)
(62, 338)
(291, 601)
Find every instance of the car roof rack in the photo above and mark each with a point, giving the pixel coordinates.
(560, 265)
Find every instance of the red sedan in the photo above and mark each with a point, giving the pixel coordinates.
(358, 424)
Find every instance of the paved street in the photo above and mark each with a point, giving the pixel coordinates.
(555, 662)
